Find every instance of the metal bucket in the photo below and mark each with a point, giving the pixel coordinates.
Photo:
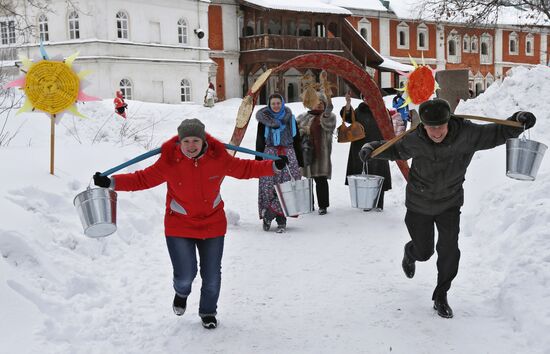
(96, 208)
(365, 190)
(523, 158)
(296, 196)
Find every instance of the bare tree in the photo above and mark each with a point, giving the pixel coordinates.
(479, 12)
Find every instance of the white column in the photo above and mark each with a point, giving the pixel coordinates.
(543, 49)
(440, 47)
(498, 54)
(385, 78)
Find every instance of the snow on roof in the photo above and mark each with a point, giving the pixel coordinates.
(315, 6)
(410, 9)
(374, 5)
(394, 65)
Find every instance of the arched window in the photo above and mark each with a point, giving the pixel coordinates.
(466, 44)
(421, 40)
(365, 29)
(126, 88)
(513, 41)
(185, 91)
(74, 26)
(403, 36)
(43, 31)
(182, 31)
(122, 25)
(484, 49)
(529, 44)
(473, 44)
(7, 32)
(422, 37)
(452, 47)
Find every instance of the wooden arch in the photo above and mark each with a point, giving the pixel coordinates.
(337, 65)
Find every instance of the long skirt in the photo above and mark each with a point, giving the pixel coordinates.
(268, 203)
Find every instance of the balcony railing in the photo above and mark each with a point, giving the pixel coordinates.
(271, 41)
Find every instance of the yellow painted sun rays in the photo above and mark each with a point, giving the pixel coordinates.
(51, 86)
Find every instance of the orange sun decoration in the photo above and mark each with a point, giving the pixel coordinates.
(420, 85)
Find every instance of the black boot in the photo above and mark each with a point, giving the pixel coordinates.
(209, 322)
(179, 305)
(442, 306)
(408, 265)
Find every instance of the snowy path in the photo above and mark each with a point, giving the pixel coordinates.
(331, 284)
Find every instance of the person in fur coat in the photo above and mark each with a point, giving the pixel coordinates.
(316, 130)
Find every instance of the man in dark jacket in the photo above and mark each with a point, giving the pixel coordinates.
(441, 149)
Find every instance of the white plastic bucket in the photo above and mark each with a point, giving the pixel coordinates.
(296, 196)
(523, 158)
(365, 190)
(96, 208)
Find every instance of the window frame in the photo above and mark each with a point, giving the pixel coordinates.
(126, 86)
(466, 44)
(43, 28)
(183, 31)
(185, 91)
(513, 41)
(530, 41)
(122, 18)
(422, 29)
(73, 25)
(403, 27)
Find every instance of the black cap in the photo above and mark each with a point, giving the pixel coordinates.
(434, 112)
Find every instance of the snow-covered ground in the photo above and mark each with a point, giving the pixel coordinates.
(331, 284)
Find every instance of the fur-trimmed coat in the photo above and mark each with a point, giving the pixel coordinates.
(317, 163)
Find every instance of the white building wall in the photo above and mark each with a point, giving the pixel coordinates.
(137, 58)
(233, 85)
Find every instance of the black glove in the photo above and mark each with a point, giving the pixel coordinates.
(281, 162)
(101, 181)
(368, 148)
(528, 119)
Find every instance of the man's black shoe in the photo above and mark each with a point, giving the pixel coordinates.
(442, 306)
(408, 265)
(209, 322)
(179, 305)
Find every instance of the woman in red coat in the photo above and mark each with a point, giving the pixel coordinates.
(193, 164)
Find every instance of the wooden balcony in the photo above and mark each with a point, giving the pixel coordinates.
(269, 48)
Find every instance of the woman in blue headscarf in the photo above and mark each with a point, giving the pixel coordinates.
(277, 135)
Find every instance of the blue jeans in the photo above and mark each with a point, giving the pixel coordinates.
(184, 262)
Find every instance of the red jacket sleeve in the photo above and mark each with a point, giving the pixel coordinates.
(147, 178)
(244, 169)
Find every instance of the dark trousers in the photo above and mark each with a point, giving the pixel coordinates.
(183, 255)
(421, 246)
(321, 189)
(380, 204)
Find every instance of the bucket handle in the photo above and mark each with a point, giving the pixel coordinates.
(365, 168)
